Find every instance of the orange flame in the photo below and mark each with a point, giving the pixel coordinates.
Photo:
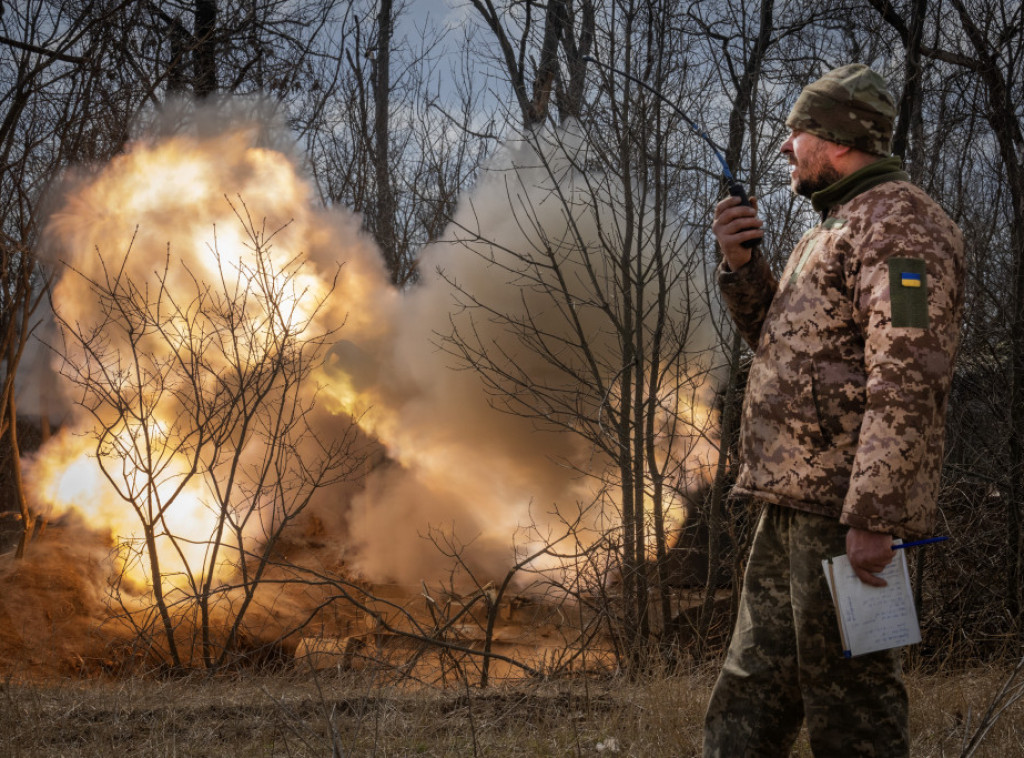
(166, 200)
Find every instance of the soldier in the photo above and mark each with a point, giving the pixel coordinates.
(842, 431)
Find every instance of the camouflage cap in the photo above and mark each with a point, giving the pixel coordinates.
(850, 105)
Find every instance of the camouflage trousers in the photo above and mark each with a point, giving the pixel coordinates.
(785, 660)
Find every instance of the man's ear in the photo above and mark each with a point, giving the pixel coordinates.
(848, 159)
(840, 152)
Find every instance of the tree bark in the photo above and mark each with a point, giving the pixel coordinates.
(555, 21)
(27, 519)
(205, 52)
(906, 140)
(385, 205)
(738, 118)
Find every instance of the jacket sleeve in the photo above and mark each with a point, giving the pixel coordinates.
(908, 298)
(748, 293)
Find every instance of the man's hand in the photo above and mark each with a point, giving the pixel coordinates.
(733, 225)
(869, 554)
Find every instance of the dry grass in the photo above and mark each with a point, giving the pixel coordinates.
(295, 715)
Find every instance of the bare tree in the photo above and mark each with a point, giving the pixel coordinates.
(382, 141)
(746, 54)
(21, 292)
(530, 52)
(206, 397)
(50, 55)
(610, 337)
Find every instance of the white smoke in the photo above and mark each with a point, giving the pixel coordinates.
(527, 278)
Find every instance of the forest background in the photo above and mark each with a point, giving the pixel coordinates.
(395, 114)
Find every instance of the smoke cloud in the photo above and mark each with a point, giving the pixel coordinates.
(456, 458)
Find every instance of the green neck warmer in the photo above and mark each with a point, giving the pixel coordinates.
(847, 188)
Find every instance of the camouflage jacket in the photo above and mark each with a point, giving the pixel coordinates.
(854, 346)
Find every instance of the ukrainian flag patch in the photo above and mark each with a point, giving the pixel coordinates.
(908, 292)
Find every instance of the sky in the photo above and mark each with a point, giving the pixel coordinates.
(448, 12)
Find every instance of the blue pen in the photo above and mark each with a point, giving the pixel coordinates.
(916, 543)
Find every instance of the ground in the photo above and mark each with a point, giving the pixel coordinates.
(301, 713)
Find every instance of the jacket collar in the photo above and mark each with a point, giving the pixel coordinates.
(847, 188)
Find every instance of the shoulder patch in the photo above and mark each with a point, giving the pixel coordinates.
(908, 292)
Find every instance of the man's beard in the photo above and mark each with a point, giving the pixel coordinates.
(825, 176)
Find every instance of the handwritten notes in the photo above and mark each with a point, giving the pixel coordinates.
(873, 618)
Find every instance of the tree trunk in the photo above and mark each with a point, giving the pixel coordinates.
(738, 118)
(906, 142)
(205, 52)
(384, 224)
(534, 105)
(177, 41)
(547, 67)
(716, 505)
(27, 520)
(570, 97)
(907, 135)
